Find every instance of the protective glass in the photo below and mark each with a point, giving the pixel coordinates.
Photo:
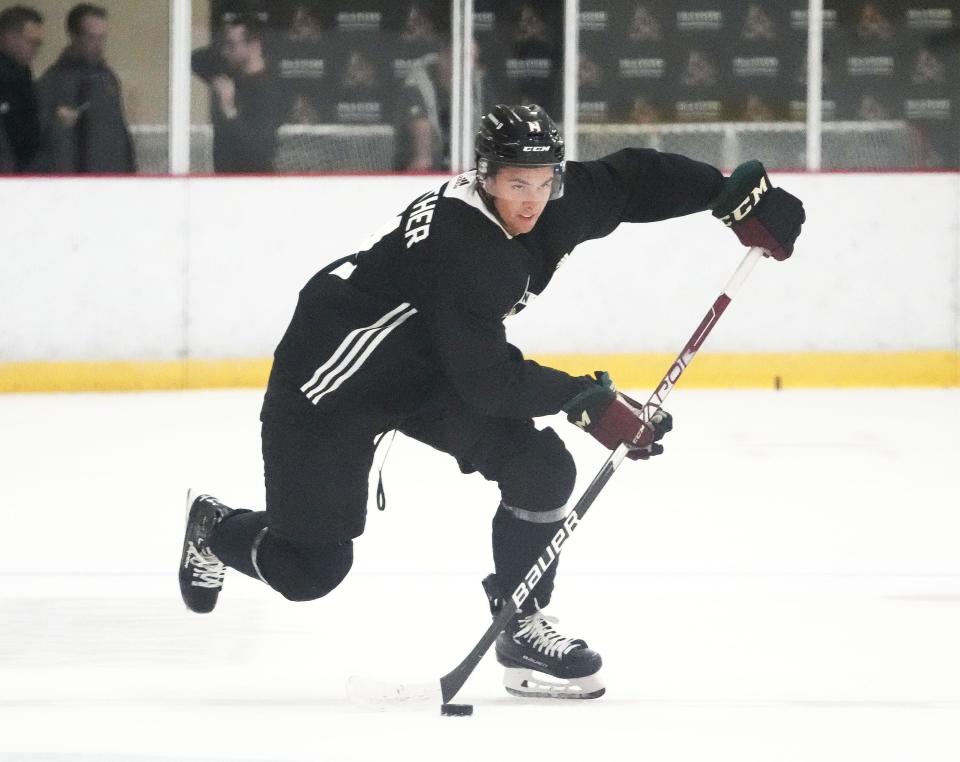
(528, 182)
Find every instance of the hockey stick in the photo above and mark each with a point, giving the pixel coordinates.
(447, 686)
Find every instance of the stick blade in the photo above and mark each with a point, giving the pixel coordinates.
(366, 691)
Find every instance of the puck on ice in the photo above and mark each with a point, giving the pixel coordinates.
(456, 710)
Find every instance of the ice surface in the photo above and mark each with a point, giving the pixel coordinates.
(784, 584)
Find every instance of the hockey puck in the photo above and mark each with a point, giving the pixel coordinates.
(456, 710)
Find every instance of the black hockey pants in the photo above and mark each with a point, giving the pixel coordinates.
(316, 474)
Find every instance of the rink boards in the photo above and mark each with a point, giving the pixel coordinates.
(166, 283)
(774, 370)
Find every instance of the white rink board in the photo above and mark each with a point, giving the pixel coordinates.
(157, 268)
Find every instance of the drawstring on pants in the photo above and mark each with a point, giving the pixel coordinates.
(381, 493)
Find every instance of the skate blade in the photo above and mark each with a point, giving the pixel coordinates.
(530, 684)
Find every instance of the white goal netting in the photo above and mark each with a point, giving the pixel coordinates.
(313, 148)
(779, 145)
(891, 144)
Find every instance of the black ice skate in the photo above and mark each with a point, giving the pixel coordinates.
(201, 572)
(530, 645)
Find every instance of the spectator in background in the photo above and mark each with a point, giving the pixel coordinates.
(21, 35)
(423, 115)
(422, 126)
(81, 107)
(246, 100)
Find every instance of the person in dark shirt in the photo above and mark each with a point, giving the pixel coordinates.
(21, 35)
(81, 105)
(423, 115)
(246, 99)
(422, 123)
(414, 341)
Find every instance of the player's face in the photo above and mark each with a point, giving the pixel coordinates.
(520, 195)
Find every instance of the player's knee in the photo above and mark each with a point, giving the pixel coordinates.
(541, 475)
(306, 573)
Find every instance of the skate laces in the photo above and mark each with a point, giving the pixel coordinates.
(537, 630)
(208, 571)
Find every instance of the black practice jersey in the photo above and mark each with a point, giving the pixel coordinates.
(424, 308)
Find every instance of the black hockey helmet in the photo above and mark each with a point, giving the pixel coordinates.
(518, 136)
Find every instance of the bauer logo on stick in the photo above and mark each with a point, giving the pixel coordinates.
(546, 559)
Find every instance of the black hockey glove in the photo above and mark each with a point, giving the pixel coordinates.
(758, 213)
(613, 418)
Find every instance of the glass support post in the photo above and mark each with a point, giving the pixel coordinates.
(178, 128)
(814, 84)
(571, 69)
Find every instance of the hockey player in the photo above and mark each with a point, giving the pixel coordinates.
(413, 340)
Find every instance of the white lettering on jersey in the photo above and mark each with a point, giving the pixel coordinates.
(418, 223)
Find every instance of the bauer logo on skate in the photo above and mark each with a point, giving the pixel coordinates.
(418, 221)
(746, 206)
(553, 549)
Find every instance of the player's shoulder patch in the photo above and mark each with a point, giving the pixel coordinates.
(459, 186)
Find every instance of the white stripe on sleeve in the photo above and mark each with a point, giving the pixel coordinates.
(346, 344)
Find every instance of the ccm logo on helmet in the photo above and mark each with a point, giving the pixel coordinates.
(536, 148)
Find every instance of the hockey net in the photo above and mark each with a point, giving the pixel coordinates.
(300, 148)
(779, 145)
